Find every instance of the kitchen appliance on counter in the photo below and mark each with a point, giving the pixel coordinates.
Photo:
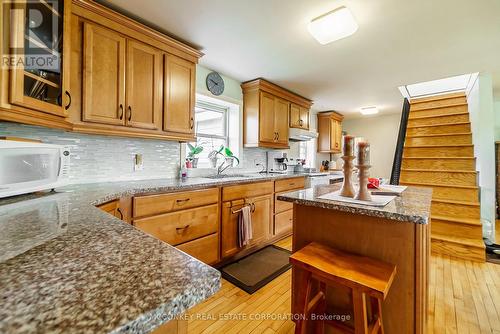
(277, 162)
(27, 167)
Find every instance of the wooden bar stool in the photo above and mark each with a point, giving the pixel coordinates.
(368, 279)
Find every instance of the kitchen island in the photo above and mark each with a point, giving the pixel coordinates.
(397, 233)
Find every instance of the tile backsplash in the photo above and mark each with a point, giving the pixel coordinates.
(97, 158)
(101, 158)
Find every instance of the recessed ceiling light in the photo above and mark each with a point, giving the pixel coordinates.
(332, 26)
(369, 110)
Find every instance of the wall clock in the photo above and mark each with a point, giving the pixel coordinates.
(215, 83)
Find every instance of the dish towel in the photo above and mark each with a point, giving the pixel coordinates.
(245, 229)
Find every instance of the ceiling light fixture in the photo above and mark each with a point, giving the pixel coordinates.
(332, 26)
(369, 110)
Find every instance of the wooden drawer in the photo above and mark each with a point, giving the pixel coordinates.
(289, 184)
(182, 226)
(205, 249)
(162, 203)
(247, 190)
(280, 206)
(283, 222)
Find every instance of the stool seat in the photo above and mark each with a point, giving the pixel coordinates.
(368, 279)
(354, 271)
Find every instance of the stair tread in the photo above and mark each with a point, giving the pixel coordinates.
(438, 170)
(458, 240)
(434, 125)
(440, 135)
(430, 185)
(436, 158)
(437, 97)
(436, 116)
(440, 145)
(458, 220)
(450, 201)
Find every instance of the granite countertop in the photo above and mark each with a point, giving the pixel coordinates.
(413, 205)
(67, 266)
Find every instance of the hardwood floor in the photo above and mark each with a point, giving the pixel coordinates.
(464, 297)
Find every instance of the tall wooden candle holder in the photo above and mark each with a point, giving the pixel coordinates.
(347, 189)
(363, 192)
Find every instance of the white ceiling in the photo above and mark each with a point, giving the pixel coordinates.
(398, 42)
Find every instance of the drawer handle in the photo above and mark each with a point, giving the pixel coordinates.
(120, 212)
(182, 201)
(291, 184)
(252, 205)
(181, 229)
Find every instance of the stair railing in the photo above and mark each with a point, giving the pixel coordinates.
(398, 154)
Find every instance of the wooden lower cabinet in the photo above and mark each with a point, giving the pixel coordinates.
(113, 208)
(283, 222)
(205, 249)
(261, 222)
(182, 226)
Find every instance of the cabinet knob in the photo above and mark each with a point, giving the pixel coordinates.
(181, 229)
(69, 102)
(182, 201)
(191, 123)
(301, 122)
(121, 111)
(129, 113)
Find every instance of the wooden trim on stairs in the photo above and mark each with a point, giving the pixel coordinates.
(437, 97)
(434, 125)
(437, 116)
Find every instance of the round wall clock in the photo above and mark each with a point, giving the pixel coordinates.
(215, 83)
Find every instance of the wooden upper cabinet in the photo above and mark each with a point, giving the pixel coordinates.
(299, 117)
(281, 108)
(144, 86)
(179, 95)
(267, 110)
(37, 91)
(330, 132)
(267, 107)
(103, 75)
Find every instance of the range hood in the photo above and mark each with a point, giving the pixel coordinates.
(301, 135)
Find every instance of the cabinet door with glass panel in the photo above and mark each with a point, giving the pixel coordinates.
(39, 42)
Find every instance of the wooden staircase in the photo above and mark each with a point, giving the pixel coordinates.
(439, 154)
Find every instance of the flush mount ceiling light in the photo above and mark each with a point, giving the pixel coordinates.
(369, 110)
(332, 26)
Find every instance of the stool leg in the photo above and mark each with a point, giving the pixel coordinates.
(360, 312)
(300, 325)
(380, 316)
(320, 324)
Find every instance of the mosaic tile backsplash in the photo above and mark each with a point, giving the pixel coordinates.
(101, 158)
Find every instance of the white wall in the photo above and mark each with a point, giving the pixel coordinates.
(496, 107)
(482, 117)
(382, 134)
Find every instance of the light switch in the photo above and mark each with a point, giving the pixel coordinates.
(138, 162)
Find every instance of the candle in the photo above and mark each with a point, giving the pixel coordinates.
(363, 154)
(348, 148)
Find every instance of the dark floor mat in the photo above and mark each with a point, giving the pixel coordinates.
(256, 270)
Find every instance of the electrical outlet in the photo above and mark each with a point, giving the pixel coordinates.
(138, 162)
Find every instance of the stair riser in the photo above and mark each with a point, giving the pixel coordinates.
(463, 252)
(457, 194)
(445, 178)
(432, 130)
(438, 112)
(448, 164)
(455, 210)
(444, 151)
(439, 120)
(443, 227)
(439, 140)
(438, 103)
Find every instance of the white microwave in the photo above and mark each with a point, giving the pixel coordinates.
(27, 167)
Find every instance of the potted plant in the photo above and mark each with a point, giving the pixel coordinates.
(194, 150)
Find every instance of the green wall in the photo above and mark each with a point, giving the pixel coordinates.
(232, 89)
